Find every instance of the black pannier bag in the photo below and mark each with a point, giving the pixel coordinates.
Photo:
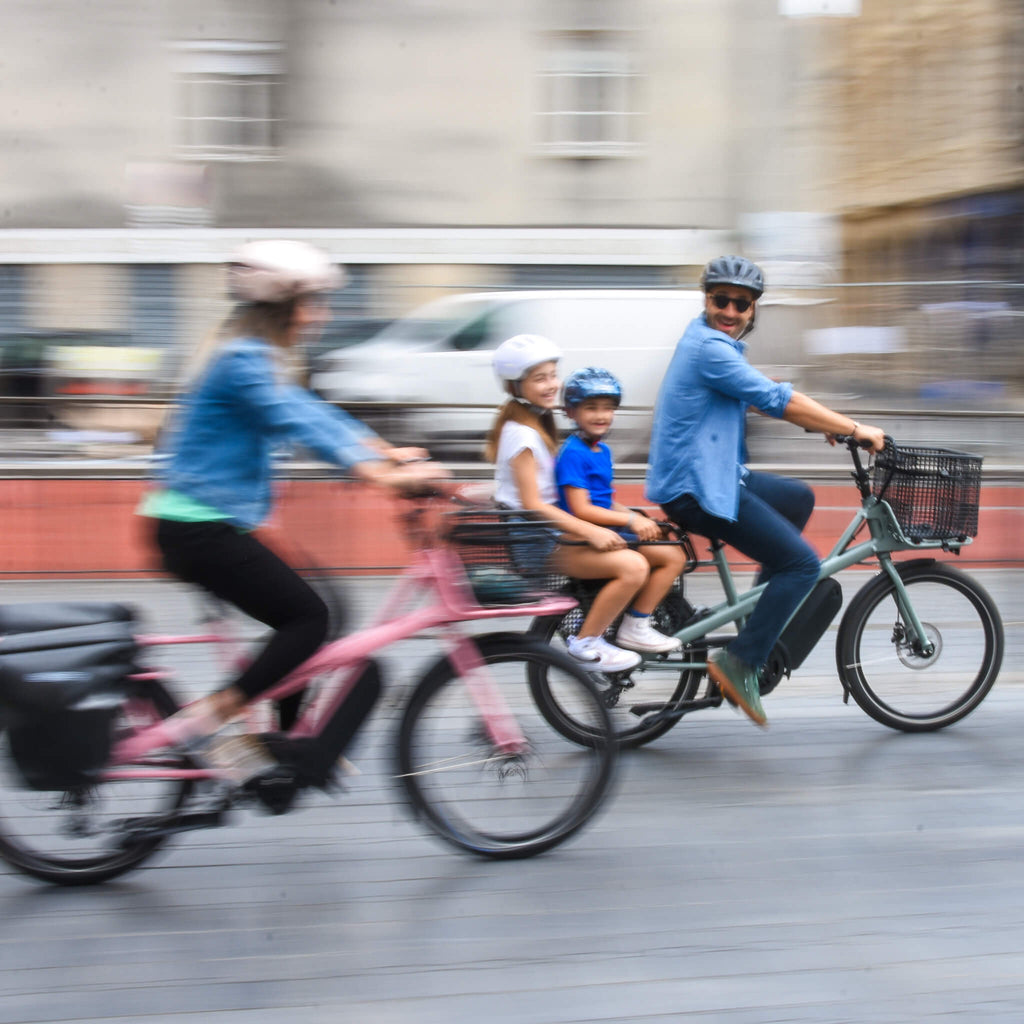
(63, 675)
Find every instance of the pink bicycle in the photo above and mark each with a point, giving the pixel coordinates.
(87, 795)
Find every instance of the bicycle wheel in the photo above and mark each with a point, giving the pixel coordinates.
(900, 686)
(633, 701)
(72, 837)
(496, 804)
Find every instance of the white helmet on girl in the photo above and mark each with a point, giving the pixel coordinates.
(276, 270)
(514, 357)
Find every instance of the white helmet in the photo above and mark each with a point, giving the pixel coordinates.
(512, 358)
(277, 270)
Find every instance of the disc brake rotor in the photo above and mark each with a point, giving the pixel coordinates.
(913, 659)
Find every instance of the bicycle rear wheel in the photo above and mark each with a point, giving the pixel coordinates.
(895, 681)
(495, 804)
(635, 700)
(73, 837)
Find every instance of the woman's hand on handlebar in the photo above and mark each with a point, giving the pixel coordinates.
(402, 455)
(411, 479)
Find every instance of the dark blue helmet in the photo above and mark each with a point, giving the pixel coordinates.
(734, 270)
(590, 382)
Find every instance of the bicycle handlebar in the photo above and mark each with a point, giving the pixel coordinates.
(860, 474)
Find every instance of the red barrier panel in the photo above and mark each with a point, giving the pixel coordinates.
(69, 528)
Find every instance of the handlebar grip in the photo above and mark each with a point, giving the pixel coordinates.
(851, 442)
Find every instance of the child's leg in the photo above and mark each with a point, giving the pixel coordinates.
(625, 570)
(636, 633)
(666, 564)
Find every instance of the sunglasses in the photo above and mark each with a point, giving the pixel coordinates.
(722, 302)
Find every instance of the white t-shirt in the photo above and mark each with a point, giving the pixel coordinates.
(517, 437)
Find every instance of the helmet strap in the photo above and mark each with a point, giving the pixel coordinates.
(537, 410)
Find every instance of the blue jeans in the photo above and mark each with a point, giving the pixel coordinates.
(773, 511)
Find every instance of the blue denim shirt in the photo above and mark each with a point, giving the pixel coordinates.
(697, 442)
(226, 428)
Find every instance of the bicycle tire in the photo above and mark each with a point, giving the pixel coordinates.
(906, 690)
(493, 805)
(656, 682)
(72, 838)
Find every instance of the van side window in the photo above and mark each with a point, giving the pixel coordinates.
(477, 334)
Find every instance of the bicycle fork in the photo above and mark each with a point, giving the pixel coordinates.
(914, 635)
(502, 727)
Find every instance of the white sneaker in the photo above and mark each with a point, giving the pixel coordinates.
(637, 634)
(597, 654)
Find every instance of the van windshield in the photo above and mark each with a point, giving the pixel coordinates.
(433, 323)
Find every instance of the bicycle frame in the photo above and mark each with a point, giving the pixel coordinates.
(886, 537)
(434, 572)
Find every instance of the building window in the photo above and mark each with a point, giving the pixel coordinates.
(588, 96)
(229, 100)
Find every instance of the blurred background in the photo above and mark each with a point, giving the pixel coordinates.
(869, 155)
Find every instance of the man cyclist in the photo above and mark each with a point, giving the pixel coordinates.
(698, 474)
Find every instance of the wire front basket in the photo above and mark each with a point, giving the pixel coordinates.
(505, 554)
(933, 492)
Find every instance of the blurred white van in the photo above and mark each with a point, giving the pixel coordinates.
(435, 363)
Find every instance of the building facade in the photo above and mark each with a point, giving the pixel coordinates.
(446, 145)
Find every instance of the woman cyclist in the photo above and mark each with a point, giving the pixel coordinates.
(697, 472)
(522, 444)
(215, 487)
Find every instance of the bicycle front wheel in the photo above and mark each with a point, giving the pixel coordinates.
(503, 803)
(903, 684)
(75, 837)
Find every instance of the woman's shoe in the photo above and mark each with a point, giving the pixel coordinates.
(738, 683)
(238, 758)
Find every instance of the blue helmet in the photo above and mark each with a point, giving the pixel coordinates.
(590, 382)
(734, 270)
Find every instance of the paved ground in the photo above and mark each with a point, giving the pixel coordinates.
(826, 870)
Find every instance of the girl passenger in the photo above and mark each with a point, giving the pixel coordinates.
(522, 444)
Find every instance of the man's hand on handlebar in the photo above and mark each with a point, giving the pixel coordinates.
(867, 437)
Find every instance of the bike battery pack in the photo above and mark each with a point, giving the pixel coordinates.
(313, 759)
(809, 622)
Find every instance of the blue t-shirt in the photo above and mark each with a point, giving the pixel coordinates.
(579, 465)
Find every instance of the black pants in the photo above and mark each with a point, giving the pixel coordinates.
(238, 569)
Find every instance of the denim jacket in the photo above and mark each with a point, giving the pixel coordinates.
(226, 428)
(698, 439)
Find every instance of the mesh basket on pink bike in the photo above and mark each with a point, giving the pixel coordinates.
(505, 554)
(933, 492)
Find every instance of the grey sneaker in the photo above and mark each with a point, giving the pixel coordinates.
(235, 758)
(738, 683)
